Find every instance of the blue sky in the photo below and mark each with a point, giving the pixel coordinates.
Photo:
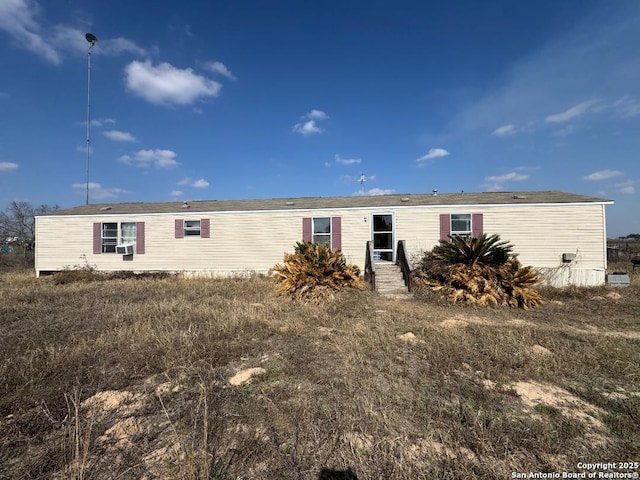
(255, 99)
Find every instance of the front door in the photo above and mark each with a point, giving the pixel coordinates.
(382, 236)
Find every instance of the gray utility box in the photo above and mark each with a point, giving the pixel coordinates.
(618, 279)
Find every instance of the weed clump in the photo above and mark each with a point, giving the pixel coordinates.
(315, 273)
(482, 270)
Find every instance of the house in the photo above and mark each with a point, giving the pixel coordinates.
(562, 234)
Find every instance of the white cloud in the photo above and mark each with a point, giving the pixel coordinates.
(167, 85)
(64, 37)
(117, 46)
(308, 125)
(496, 182)
(586, 61)
(221, 69)
(344, 161)
(68, 38)
(176, 193)
(317, 115)
(565, 131)
(433, 154)
(18, 19)
(148, 158)
(97, 191)
(307, 128)
(603, 175)
(627, 187)
(573, 112)
(118, 136)
(627, 107)
(511, 176)
(504, 130)
(202, 183)
(8, 166)
(100, 122)
(21, 20)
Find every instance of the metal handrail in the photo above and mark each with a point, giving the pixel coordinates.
(369, 266)
(403, 262)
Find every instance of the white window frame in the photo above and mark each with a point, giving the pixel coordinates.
(322, 234)
(461, 233)
(110, 246)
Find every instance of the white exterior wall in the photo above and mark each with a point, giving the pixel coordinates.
(255, 241)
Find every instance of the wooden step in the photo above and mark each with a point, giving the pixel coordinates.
(389, 281)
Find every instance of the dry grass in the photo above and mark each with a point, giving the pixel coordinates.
(129, 378)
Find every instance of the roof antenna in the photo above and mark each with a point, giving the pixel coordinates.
(363, 179)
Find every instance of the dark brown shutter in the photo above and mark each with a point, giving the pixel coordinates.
(205, 228)
(306, 229)
(476, 224)
(336, 233)
(445, 226)
(179, 227)
(97, 238)
(140, 238)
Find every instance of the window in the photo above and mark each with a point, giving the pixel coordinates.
(128, 232)
(192, 228)
(116, 234)
(109, 237)
(322, 230)
(460, 224)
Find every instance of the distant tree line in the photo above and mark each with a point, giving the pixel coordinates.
(18, 232)
(631, 236)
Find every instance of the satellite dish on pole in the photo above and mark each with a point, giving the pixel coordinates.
(91, 38)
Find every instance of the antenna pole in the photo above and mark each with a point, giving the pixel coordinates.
(92, 40)
(362, 180)
(88, 117)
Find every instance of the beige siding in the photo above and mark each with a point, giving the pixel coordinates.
(239, 241)
(255, 241)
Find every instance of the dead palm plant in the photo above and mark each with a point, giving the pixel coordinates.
(314, 272)
(482, 270)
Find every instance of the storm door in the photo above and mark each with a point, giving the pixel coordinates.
(382, 236)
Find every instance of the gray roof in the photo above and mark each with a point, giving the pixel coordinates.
(306, 203)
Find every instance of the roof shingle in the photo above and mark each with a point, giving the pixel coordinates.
(309, 203)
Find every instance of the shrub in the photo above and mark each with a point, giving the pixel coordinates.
(314, 273)
(482, 270)
(481, 250)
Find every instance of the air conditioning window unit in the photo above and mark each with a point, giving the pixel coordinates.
(125, 249)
